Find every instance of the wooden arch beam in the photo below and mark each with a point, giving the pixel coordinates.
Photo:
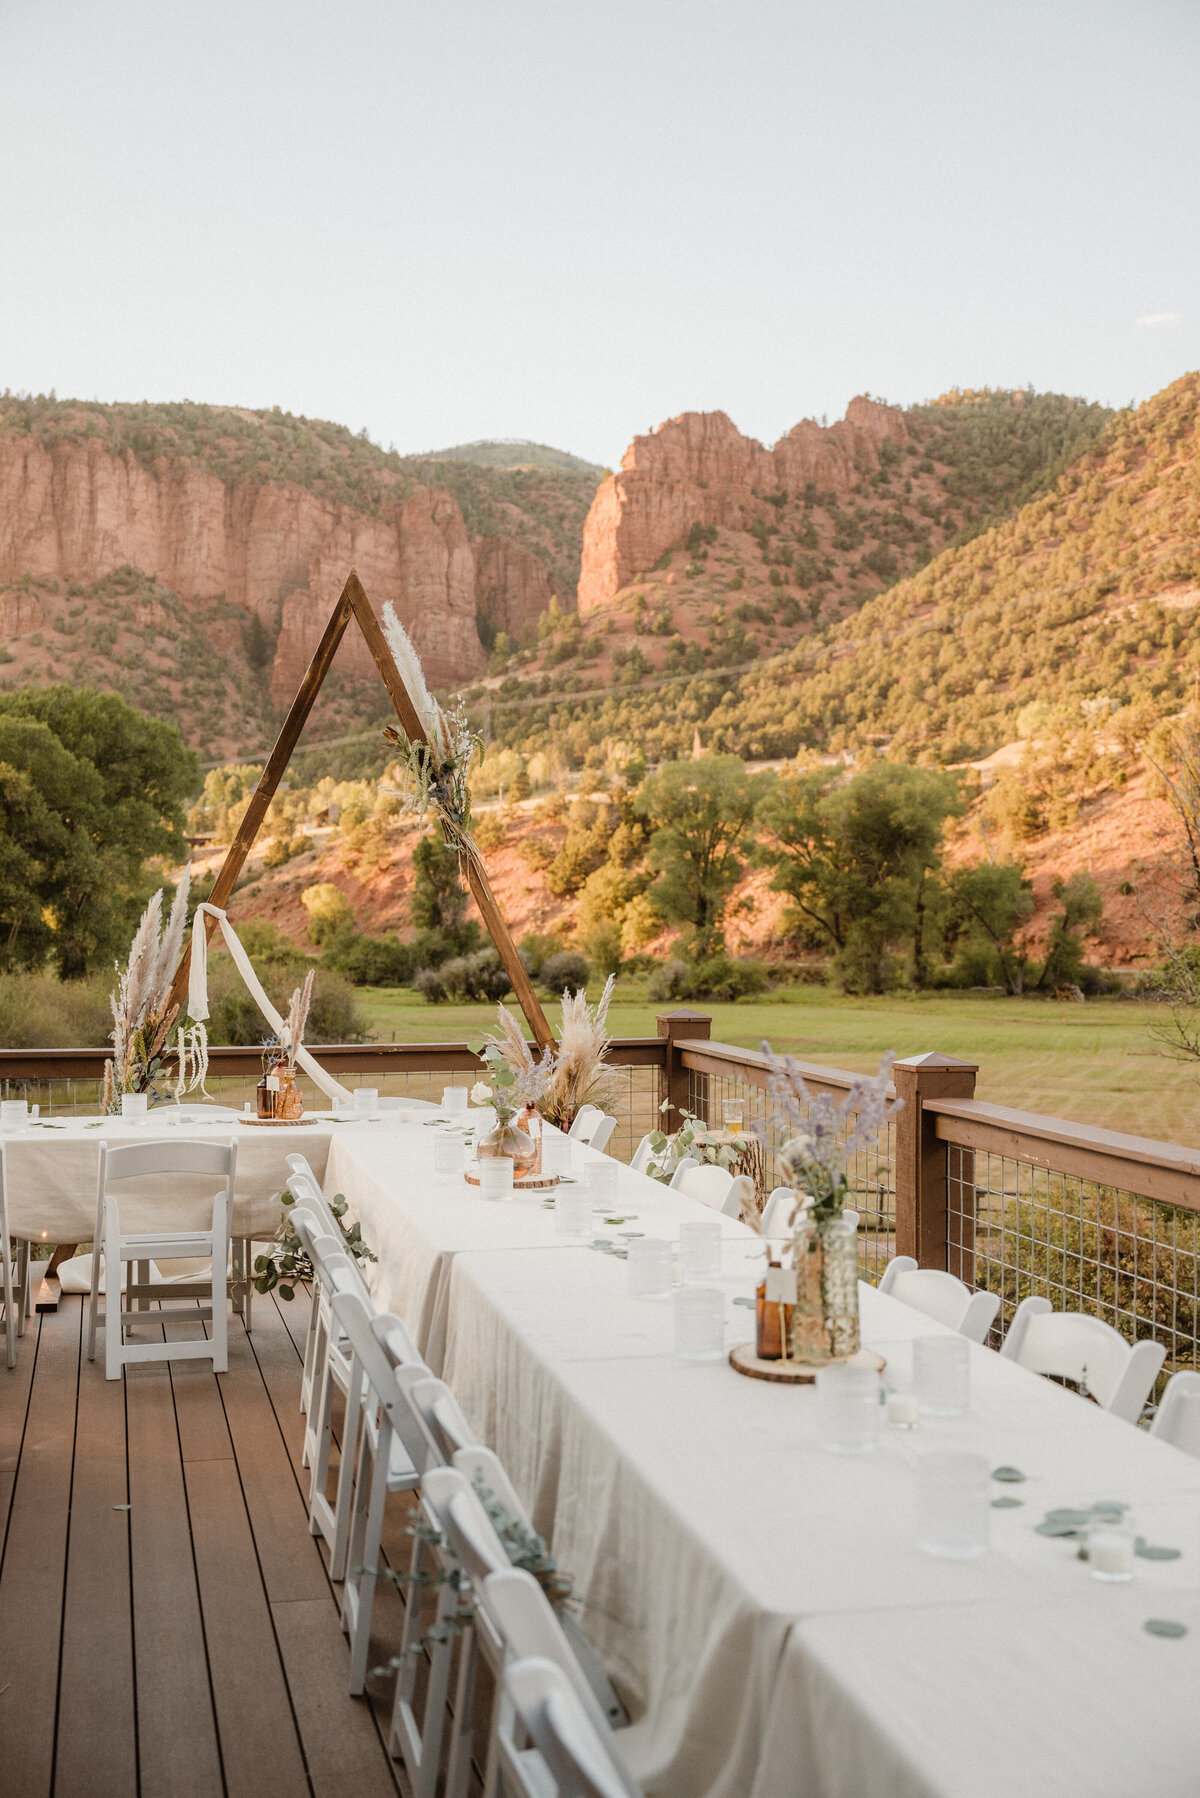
(354, 603)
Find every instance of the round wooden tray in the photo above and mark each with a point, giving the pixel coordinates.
(521, 1182)
(277, 1123)
(794, 1373)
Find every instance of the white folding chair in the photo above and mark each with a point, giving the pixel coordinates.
(306, 1192)
(390, 1456)
(120, 1248)
(714, 1186)
(14, 1273)
(1073, 1346)
(941, 1296)
(1177, 1419)
(592, 1126)
(642, 1155)
(569, 1757)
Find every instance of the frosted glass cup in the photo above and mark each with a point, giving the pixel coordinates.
(14, 1114)
(601, 1179)
(649, 1267)
(700, 1249)
(455, 1099)
(699, 1323)
(572, 1214)
(942, 1375)
(496, 1177)
(135, 1107)
(1111, 1544)
(848, 1409)
(447, 1152)
(556, 1152)
(366, 1102)
(953, 1505)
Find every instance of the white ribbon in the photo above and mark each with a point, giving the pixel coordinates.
(198, 994)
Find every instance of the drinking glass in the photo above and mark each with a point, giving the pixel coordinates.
(366, 1101)
(454, 1099)
(601, 1177)
(733, 1114)
(942, 1375)
(13, 1114)
(135, 1107)
(447, 1152)
(847, 1409)
(900, 1401)
(556, 1152)
(496, 1177)
(649, 1267)
(572, 1213)
(1111, 1537)
(699, 1323)
(700, 1249)
(953, 1499)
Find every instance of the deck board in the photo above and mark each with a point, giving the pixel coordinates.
(189, 1644)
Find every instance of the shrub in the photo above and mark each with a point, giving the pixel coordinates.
(535, 950)
(466, 977)
(720, 977)
(234, 1018)
(282, 849)
(671, 981)
(328, 910)
(601, 946)
(491, 831)
(369, 960)
(566, 969)
(38, 1011)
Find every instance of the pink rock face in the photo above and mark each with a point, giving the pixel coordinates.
(699, 469)
(76, 512)
(511, 585)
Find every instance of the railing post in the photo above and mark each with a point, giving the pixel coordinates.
(920, 1157)
(680, 1026)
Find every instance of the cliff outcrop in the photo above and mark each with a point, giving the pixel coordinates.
(700, 469)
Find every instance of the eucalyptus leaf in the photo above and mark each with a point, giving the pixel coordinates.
(1073, 1518)
(743, 1301)
(1012, 1475)
(1006, 1504)
(1164, 1626)
(1048, 1527)
(1149, 1552)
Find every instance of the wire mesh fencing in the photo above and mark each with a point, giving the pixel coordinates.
(1020, 1230)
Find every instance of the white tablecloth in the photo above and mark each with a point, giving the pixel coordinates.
(51, 1170)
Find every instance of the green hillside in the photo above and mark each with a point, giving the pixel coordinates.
(516, 452)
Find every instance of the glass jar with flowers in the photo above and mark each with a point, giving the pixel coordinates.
(816, 1142)
(512, 1094)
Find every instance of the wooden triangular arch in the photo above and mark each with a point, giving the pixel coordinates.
(354, 603)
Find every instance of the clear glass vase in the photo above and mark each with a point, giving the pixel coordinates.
(509, 1139)
(825, 1318)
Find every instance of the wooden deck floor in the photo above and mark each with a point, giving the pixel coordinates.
(167, 1625)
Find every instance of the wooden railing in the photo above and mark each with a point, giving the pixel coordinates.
(1010, 1200)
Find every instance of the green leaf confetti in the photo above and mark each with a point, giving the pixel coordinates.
(1012, 1475)
(1164, 1626)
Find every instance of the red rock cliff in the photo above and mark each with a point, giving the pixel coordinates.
(699, 469)
(77, 511)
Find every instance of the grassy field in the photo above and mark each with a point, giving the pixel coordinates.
(1096, 1063)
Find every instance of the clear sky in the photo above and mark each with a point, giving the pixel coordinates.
(567, 221)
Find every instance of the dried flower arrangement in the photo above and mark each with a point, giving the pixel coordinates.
(817, 1138)
(292, 1036)
(578, 1074)
(435, 772)
(142, 1016)
(513, 1089)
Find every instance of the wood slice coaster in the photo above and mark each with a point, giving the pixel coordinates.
(521, 1182)
(795, 1373)
(276, 1123)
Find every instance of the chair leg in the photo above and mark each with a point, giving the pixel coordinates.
(10, 1316)
(352, 1429)
(22, 1286)
(367, 1573)
(94, 1292)
(462, 1729)
(220, 1314)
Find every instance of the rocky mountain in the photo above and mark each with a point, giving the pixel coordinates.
(517, 452)
(234, 531)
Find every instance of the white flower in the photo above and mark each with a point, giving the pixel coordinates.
(481, 1094)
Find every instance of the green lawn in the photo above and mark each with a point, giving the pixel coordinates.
(1094, 1062)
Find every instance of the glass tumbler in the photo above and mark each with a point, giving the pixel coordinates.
(700, 1249)
(135, 1107)
(601, 1178)
(447, 1152)
(733, 1114)
(649, 1266)
(455, 1099)
(13, 1114)
(848, 1409)
(1111, 1539)
(366, 1102)
(556, 1152)
(699, 1323)
(496, 1177)
(953, 1499)
(942, 1375)
(572, 1213)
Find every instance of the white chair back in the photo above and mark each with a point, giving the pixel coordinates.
(640, 1159)
(683, 1166)
(14, 1273)
(441, 1417)
(941, 1296)
(1073, 1346)
(593, 1127)
(712, 1186)
(1177, 1419)
(570, 1758)
(484, 1471)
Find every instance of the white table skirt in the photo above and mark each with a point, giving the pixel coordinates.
(51, 1171)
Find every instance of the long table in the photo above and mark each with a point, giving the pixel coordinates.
(761, 1603)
